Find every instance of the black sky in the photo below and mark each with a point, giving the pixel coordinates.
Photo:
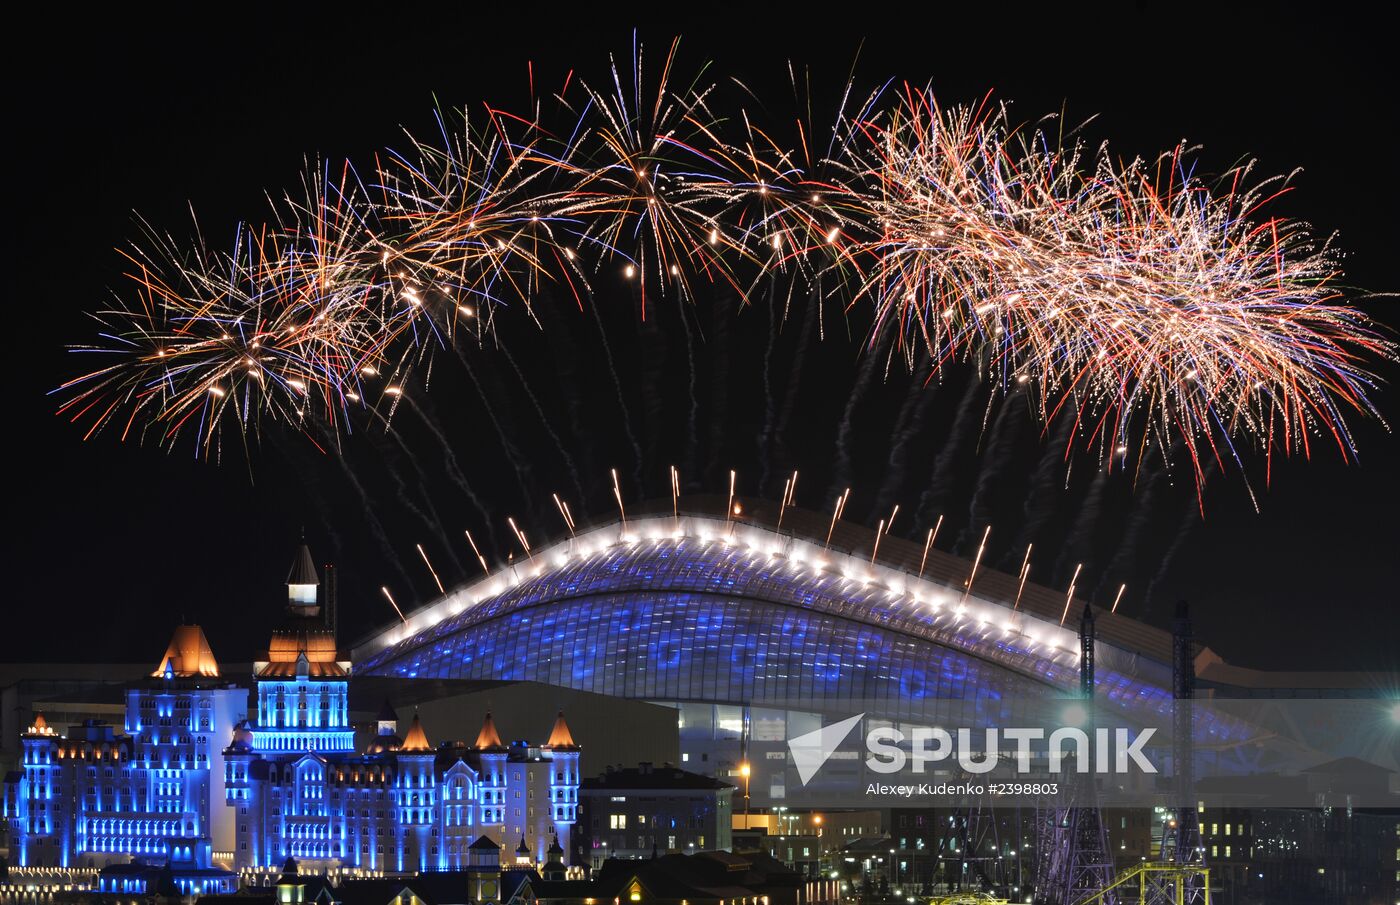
(108, 544)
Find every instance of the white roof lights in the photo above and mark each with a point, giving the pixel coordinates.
(763, 545)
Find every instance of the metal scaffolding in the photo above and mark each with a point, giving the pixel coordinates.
(1073, 859)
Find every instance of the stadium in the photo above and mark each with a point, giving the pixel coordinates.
(758, 634)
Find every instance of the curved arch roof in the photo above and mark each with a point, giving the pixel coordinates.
(703, 608)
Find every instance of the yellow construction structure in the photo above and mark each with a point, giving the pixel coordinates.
(1157, 884)
(968, 898)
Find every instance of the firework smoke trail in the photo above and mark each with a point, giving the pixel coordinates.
(518, 462)
(794, 381)
(623, 411)
(431, 520)
(941, 479)
(1044, 491)
(869, 363)
(376, 527)
(1079, 542)
(999, 448)
(450, 463)
(720, 347)
(894, 474)
(545, 422)
(1189, 520)
(765, 435)
(692, 418)
(1142, 511)
(650, 364)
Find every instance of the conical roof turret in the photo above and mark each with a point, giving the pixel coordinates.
(416, 739)
(488, 739)
(560, 737)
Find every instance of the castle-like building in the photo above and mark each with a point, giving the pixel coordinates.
(97, 797)
(169, 793)
(300, 789)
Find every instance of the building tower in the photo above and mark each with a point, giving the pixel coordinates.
(240, 790)
(39, 818)
(563, 754)
(491, 754)
(1181, 836)
(1073, 857)
(303, 685)
(180, 717)
(415, 791)
(278, 772)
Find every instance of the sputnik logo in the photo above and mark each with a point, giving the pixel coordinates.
(813, 749)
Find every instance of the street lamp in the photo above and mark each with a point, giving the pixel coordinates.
(745, 771)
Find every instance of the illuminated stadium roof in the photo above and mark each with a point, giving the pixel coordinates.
(707, 609)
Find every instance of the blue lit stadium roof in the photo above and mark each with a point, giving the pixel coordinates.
(700, 608)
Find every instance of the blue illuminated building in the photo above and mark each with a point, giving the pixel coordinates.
(128, 803)
(167, 799)
(299, 788)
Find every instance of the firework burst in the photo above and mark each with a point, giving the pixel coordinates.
(1152, 307)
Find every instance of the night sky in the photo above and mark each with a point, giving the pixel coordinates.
(109, 544)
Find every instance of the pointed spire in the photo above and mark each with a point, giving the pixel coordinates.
(488, 738)
(303, 585)
(303, 571)
(417, 739)
(561, 737)
(522, 848)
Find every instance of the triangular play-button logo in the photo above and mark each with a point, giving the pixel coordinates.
(811, 750)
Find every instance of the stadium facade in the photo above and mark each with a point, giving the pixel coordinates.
(757, 635)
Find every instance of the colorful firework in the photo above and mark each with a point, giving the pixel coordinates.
(1147, 305)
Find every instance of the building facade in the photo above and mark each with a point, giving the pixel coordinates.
(98, 797)
(298, 788)
(641, 811)
(193, 782)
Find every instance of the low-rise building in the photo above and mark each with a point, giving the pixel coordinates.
(638, 812)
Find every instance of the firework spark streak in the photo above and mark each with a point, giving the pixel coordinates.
(1143, 302)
